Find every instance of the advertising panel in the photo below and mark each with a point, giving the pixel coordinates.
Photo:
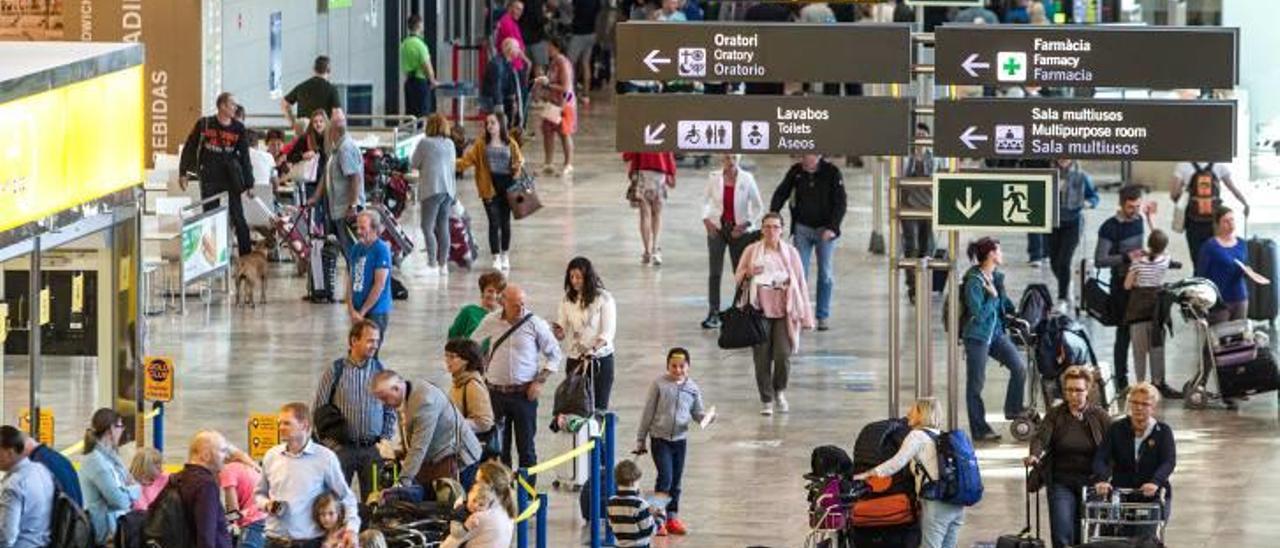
(204, 245)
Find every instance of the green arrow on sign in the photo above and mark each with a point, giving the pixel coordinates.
(1003, 201)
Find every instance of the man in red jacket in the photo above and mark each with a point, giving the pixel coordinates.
(651, 174)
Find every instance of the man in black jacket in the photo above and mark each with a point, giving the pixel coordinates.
(815, 189)
(217, 152)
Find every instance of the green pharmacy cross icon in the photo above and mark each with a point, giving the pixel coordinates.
(1011, 66)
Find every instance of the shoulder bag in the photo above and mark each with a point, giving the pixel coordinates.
(575, 395)
(522, 196)
(330, 426)
(494, 347)
(490, 441)
(742, 324)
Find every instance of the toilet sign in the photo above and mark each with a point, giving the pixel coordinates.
(158, 378)
(997, 201)
(263, 434)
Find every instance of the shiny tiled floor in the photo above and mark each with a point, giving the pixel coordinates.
(743, 483)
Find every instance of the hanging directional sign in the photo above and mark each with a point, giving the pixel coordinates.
(764, 52)
(929, 3)
(1087, 129)
(1088, 56)
(994, 201)
(764, 124)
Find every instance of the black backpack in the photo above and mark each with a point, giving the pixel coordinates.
(1204, 191)
(830, 460)
(70, 524)
(1036, 305)
(168, 525)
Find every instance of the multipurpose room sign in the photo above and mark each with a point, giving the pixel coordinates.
(1078, 56)
(764, 52)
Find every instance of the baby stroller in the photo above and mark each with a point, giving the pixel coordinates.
(831, 492)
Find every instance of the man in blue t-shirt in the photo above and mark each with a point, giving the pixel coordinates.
(369, 279)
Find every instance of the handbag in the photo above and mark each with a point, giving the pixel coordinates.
(522, 196)
(549, 112)
(575, 395)
(490, 440)
(741, 325)
(633, 189)
(331, 426)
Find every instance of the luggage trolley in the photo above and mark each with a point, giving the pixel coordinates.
(1124, 515)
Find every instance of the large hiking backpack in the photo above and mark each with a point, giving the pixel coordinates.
(830, 460)
(168, 525)
(890, 504)
(959, 480)
(1036, 305)
(1204, 191)
(70, 524)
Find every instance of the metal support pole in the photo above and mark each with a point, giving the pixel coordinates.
(593, 513)
(34, 338)
(522, 502)
(157, 428)
(542, 520)
(953, 323)
(610, 458)
(877, 245)
(895, 353)
(924, 341)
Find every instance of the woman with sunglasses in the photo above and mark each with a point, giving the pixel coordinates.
(1062, 453)
(109, 490)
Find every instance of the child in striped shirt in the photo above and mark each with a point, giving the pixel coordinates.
(633, 521)
(1144, 280)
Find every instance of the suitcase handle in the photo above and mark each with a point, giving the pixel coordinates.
(1029, 495)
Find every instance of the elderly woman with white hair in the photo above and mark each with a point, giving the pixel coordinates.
(731, 212)
(1138, 451)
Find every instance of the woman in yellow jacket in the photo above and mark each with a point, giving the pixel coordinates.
(497, 160)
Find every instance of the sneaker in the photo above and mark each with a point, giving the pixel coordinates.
(767, 410)
(645, 258)
(1034, 263)
(662, 530)
(1168, 392)
(432, 270)
(548, 169)
(497, 262)
(988, 437)
(822, 324)
(676, 527)
(783, 406)
(567, 171)
(506, 261)
(657, 259)
(712, 321)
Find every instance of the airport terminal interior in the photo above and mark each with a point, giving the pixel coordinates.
(138, 305)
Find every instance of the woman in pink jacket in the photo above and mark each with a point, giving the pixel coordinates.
(776, 286)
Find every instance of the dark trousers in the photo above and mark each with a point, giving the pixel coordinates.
(1063, 242)
(917, 241)
(499, 213)
(381, 320)
(235, 210)
(359, 461)
(281, 543)
(668, 458)
(1120, 302)
(1197, 233)
(1036, 247)
(519, 416)
(601, 380)
(418, 99)
(1064, 515)
(717, 242)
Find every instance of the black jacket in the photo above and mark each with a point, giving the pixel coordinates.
(1115, 458)
(218, 155)
(1097, 420)
(203, 499)
(817, 199)
(499, 81)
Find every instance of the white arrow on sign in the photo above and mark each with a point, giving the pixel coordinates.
(971, 64)
(969, 137)
(969, 207)
(652, 61)
(652, 135)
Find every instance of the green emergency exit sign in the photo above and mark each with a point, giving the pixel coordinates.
(994, 201)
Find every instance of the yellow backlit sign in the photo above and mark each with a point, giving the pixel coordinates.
(67, 146)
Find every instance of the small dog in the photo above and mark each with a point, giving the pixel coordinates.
(251, 274)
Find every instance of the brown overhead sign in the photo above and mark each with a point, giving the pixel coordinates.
(1080, 56)
(759, 124)
(764, 52)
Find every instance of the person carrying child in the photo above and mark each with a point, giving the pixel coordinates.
(673, 402)
(491, 512)
(331, 517)
(633, 520)
(1143, 281)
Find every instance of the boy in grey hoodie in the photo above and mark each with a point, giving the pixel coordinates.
(674, 401)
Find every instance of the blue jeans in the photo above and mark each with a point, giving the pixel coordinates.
(668, 458)
(807, 238)
(1064, 515)
(1003, 351)
(467, 476)
(381, 320)
(254, 535)
(940, 524)
(1036, 246)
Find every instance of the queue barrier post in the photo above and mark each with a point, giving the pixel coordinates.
(157, 426)
(610, 460)
(593, 513)
(522, 502)
(542, 520)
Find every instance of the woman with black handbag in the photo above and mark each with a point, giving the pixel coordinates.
(774, 275)
(463, 360)
(587, 323)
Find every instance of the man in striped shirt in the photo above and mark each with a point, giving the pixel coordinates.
(348, 384)
(633, 521)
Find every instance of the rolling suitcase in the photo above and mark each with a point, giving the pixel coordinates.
(1264, 300)
(1251, 377)
(574, 477)
(1024, 538)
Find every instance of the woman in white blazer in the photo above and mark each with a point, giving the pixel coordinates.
(731, 212)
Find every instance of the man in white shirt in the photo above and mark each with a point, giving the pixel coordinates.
(26, 495)
(294, 474)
